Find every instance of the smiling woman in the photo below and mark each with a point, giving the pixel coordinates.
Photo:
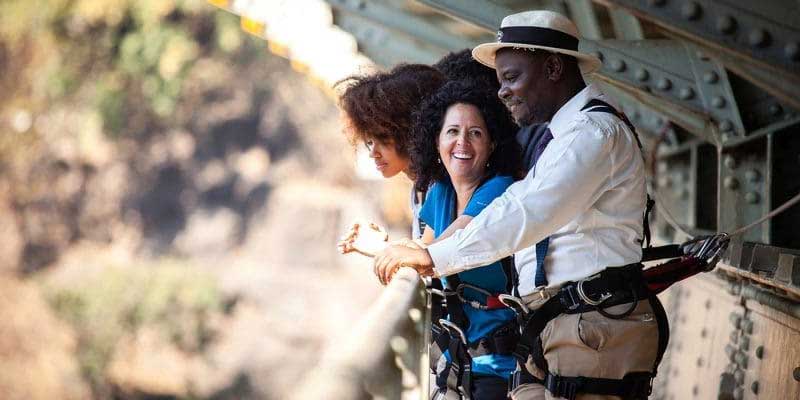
(461, 106)
(464, 153)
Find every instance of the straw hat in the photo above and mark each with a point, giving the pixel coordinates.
(533, 30)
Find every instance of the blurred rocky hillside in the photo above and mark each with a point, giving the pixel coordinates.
(170, 196)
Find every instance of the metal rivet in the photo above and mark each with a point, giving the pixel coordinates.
(686, 93)
(754, 387)
(760, 352)
(699, 361)
(744, 344)
(726, 125)
(703, 332)
(775, 109)
(691, 10)
(642, 74)
(758, 38)
(730, 351)
(731, 183)
(695, 389)
(796, 374)
(710, 77)
(747, 326)
(752, 175)
(792, 51)
(735, 319)
(738, 376)
(718, 102)
(738, 394)
(664, 84)
(751, 197)
(618, 65)
(708, 304)
(726, 24)
(730, 162)
(741, 359)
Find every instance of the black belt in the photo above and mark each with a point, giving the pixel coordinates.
(611, 287)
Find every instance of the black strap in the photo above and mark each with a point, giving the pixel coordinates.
(597, 105)
(653, 253)
(633, 386)
(512, 278)
(647, 210)
(625, 284)
(522, 377)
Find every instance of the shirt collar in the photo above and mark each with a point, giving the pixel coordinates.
(567, 113)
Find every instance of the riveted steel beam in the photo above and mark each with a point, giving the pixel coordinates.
(481, 13)
(383, 46)
(744, 195)
(783, 88)
(626, 26)
(646, 119)
(403, 22)
(666, 74)
(763, 35)
(585, 18)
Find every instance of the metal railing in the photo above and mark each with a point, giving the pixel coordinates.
(381, 356)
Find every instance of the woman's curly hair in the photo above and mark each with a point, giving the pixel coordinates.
(428, 120)
(460, 65)
(379, 106)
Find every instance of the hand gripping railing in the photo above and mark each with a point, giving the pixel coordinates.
(359, 355)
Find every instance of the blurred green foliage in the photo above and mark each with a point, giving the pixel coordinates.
(171, 297)
(119, 57)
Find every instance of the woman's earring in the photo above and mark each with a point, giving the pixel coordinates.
(438, 160)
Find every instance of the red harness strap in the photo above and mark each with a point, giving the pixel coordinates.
(662, 276)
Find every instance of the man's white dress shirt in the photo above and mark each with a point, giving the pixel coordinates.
(587, 192)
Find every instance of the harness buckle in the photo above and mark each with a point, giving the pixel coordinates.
(586, 299)
(454, 330)
(570, 298)
(566, 388)
(543, 295)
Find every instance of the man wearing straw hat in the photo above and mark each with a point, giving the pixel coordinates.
(590, 329)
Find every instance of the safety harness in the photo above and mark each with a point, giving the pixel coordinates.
(613, 286)
(448, 333)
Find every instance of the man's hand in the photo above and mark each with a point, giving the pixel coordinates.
(393, 257)
(365, 238)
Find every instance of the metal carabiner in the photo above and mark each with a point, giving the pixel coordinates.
(585, 298)
(451, 327)
(722, 241)
(514, 303)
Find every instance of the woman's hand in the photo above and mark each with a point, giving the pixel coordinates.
(364, 238)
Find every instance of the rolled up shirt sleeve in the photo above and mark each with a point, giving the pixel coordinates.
(573, 172)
